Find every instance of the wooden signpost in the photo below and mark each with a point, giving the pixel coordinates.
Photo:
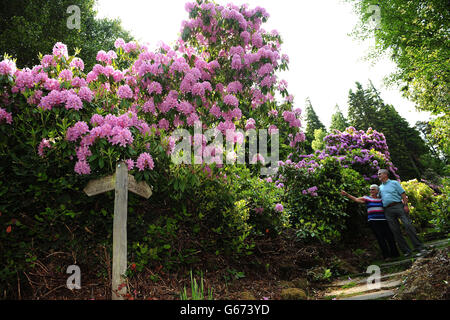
(121, 182)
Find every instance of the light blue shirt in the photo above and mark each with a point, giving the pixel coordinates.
(391, 191)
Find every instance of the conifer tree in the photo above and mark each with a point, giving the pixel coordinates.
(338, 120)
(312, 123)
(367, 109)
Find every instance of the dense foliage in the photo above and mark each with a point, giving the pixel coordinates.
(316, 207)
(415, 34)
(407, 149)
(318, 142)
(440, 208)
(349, 161)
(63, 124)
(421, 198)
(28, 28)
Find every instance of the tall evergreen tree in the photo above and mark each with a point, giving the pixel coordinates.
(338, 120)
(29, 27)
(415, 34)
(367, 109)
(363, 107)
(312, 123)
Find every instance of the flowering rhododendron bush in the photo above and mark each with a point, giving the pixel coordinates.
(349, 161)
(221, 73)
(62, 125)
(365, 152)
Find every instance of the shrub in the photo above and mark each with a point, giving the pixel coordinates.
(315, 206)
(61, 126)
(262, 199)
(421, 198)
(440, 217)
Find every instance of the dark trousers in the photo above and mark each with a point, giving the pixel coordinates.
(385, 238)
(393, 214)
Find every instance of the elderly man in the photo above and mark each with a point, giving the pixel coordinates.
(395, 203)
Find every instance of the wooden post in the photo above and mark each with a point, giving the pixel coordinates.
(121, 182)
(120, 232)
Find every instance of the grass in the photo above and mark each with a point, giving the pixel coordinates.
(197, 292)
(349, 285)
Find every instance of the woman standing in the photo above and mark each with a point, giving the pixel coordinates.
(377, 222)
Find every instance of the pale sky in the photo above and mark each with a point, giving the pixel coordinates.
(325, 62)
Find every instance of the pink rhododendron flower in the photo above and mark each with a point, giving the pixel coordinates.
(130, 164)
(245, 35)
(91, 77)
(234, 87)
(7, 67)
(53, 98)
(78, 82)
(149, 106)
(192, 119)
(82, 167)
(273, 129)
(265, 69)
(76, 131)
(273, 113)
(66, 75)
(236, 62)
(164, 124)
(177, 122)
(77, 63)
(24, 79)
(102, 56)
(154, 87)
(5, 115)
(48, 61)
(44, 144)
(145, 160)
(130, 46)
(60, 50)
(86, 94)
(215, 111)
(250, 124)
(119, 43)
(124, 92)
(231, 100)
(120, 136)
(117, 75)
(35, 98)
(73, 102)
(279, 207)
(97, 119)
